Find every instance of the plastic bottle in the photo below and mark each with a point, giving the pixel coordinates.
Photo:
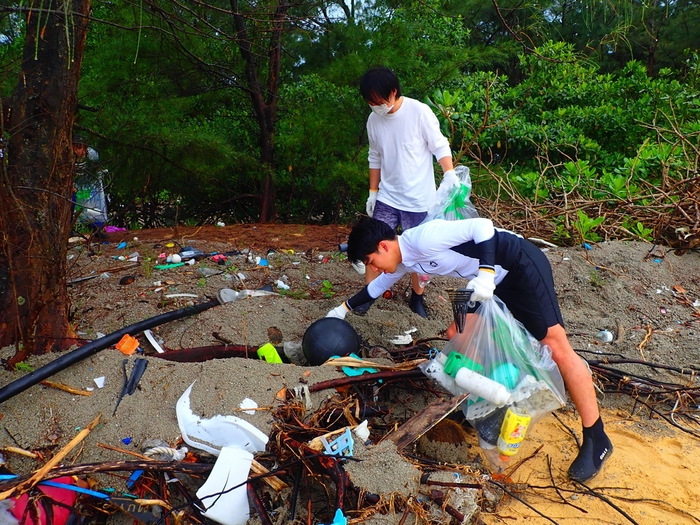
(423, 280)
(515, 425)
(481, 386)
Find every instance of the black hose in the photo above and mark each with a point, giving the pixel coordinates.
(66, 360)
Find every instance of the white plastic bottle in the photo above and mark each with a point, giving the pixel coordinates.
(481, 386)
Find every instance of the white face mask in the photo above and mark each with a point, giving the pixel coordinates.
(382, 109)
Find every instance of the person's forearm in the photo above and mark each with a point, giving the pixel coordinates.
(445, 164)
(374, 176)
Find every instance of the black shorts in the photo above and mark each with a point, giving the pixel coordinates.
(528, 291)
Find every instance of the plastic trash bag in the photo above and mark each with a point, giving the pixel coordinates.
(510, 376)
(90, 200)
(452, 199)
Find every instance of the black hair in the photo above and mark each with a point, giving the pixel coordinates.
(378, 83)
(365, 237)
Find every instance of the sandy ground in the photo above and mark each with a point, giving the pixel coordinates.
(647, 299)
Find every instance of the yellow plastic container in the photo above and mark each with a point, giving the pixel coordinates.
(513, 430)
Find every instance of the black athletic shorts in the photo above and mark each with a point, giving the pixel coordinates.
(528, 291)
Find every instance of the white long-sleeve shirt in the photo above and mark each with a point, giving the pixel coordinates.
(402, 147)
(452, 248)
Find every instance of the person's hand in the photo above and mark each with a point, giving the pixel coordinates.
(339, 312)
(449, 182)
(482, 285)
(371, 202)
(449, 178)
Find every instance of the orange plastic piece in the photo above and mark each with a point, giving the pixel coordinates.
(127, 345)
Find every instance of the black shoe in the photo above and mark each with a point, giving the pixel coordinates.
(417, 304)
(363, 308)
(591, 458)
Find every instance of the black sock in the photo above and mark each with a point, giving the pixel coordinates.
(601, 443)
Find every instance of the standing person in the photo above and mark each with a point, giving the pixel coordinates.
(404, 136)
(497, 261)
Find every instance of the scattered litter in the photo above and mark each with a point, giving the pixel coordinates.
(127, 345)
(282, 285)
(132, 381)
(405, 338)
(362, 431)
(151, 339)
(604, 336)
(100, 381)
(303, 392)
(246, 404)
(269, 353)
(166, 453)
(339, 518)
(342, 446)
(168, 266)
(223, 503)
(121, 245)
(212, 435)
(171, 295)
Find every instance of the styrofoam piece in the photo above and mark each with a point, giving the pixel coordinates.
(246, 404)
(362, 431)
(229, 507)
(100, 381)
(152, 340)
(211, 435)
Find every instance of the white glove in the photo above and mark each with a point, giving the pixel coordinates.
(371, 202)
(339, 312)
(449, 178)
(482, 285)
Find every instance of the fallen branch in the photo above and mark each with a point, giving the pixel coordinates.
(39, 474)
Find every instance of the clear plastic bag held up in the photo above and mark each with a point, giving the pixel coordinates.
(452, 199)
(510, 376)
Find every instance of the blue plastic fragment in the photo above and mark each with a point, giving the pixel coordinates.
(121, 245)
(339, 518)
(126, 440)
(135, 475)
(586, 246)
(657, 260)
(341, 446)
(351, 371)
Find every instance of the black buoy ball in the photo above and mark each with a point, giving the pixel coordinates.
(329, 337)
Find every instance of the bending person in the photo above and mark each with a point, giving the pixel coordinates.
(493, 260)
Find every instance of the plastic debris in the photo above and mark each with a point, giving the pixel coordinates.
(151, 339)
(223, 505)
(212, 435)
(100, 381)
(246, 404)
(342, 446)
(133, 379)
(339, 518)
(127, 345)
(604, 336)
(269, 353)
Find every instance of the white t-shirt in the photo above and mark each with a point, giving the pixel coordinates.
(402, 145)
(427, 249)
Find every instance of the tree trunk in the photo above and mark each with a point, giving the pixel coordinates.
(37, 180)
(264, 97)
